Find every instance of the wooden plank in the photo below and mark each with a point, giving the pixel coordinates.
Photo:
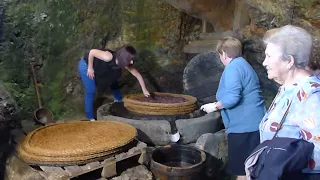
(109, 168)
(88, 168)
(17, 134)
(55, 170)
(143, 158)
(127, 155)
(73, 170)
(108, 165)
(91, 165)
(44, 174)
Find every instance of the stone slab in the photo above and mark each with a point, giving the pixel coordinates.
(202, 46)
(191, 129)
(216, 144)
(150, 131)
(157, 132)
(219, 35)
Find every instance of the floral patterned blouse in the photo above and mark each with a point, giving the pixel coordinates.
(302, 120)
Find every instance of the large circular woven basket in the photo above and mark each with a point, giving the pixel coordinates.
(75, 142)
(132, 103)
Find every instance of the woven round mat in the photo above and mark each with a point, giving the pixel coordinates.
(132, 104)
(75, 141)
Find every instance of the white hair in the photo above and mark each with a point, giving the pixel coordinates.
(294, 41)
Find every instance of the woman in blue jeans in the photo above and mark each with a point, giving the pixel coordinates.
(101, 69)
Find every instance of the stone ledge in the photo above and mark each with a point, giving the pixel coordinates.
(192, 129)
(203, 46)
(157, 132)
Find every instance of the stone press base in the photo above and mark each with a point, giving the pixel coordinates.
(157, 132)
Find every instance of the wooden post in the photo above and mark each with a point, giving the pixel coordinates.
(204, 26)
(143, 158)
(109, 168)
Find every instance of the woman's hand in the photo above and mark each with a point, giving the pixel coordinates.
(136, 74)
(146, 93)
(90, 73)
(210, 107)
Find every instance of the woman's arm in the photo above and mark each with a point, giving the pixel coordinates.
(103, 55)
(233, 87)
(136, 74)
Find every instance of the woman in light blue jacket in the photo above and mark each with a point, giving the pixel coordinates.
(241, 103)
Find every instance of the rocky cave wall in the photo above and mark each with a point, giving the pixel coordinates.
(262, 15)
(56, 33)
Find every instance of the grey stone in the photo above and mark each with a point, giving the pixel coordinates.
(149, 131)
(210, 11)
(8, 107)
(215, 144)
(135, 173)
(18, 170)
(202, 75)
(8, 114)
(191, 129)
(157, 132)
(202, 46)
(220, 35)
(141, 145)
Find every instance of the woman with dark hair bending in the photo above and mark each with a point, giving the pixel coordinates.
(102, 69)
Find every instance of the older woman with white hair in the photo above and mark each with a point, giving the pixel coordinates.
(288, 53)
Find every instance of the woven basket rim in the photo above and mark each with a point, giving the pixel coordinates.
(128, 99)
(25, 146)
(32, 159)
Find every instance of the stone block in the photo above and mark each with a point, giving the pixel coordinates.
(215, 144)
(191, 129)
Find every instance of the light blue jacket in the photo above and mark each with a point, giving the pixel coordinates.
(240, 94)
(303, 119)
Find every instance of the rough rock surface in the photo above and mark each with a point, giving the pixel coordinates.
(135, 173)
(8, 114)
(215, 144)
(158, 132)
(216, 148)
(202, 75)
(223, 15)
(17, 169)
(209, 10)
(263, 15)
(8, 107)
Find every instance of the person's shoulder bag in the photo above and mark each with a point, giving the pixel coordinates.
(280, 155)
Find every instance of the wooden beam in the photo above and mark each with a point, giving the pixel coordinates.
(109, 168)
(57, 171)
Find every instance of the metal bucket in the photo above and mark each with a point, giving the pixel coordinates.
(177, 162)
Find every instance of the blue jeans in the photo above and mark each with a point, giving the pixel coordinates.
(90, 89)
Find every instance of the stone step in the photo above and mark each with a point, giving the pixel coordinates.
(202, 46)
(220, 35)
